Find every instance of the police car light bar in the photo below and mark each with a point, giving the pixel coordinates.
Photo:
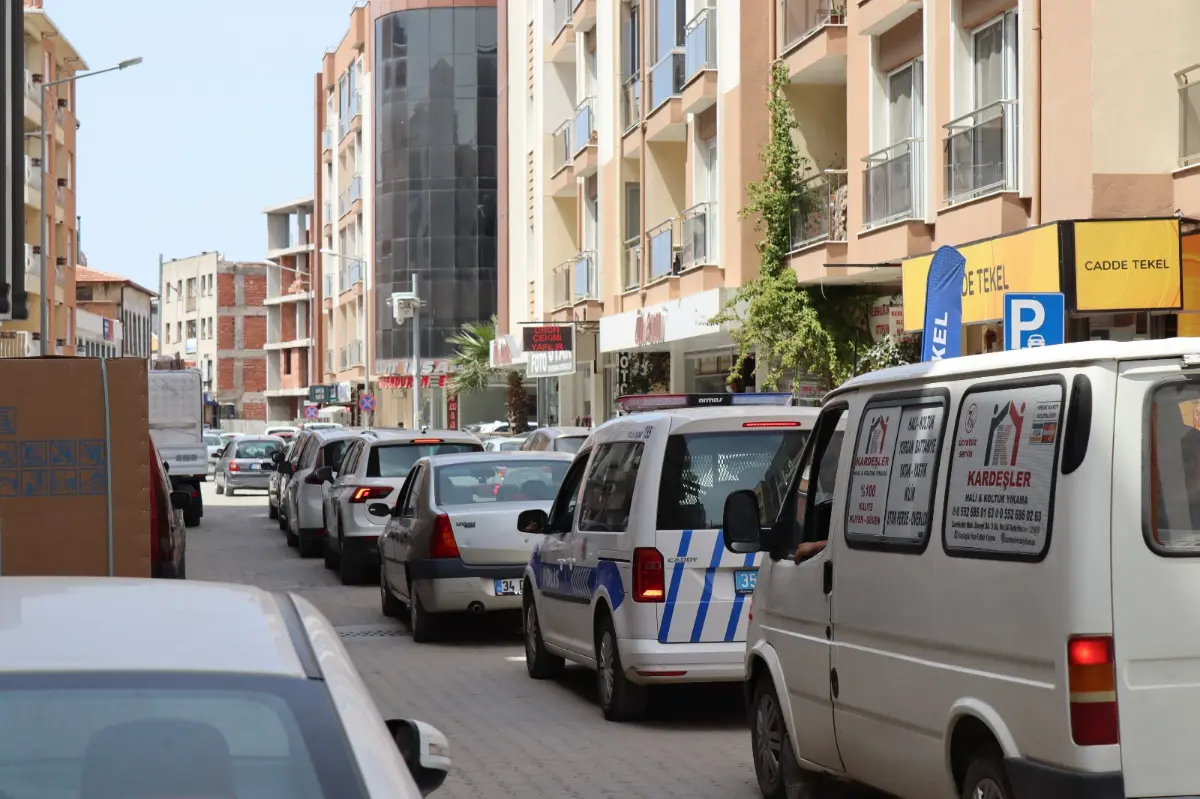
(633, 403)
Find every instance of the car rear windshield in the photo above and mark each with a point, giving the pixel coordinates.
(569, 443)
(257, 449)
(75, 736)
(701, 469)
(1173, 463)
(396, 460)
(499, 481)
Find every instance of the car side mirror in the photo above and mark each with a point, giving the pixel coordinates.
(180, 500)
(167, 468)
(379, 509)
(285, 468)
(324, 474)
(740, 526)
(277, 457)
(535, 520)
(425, 750)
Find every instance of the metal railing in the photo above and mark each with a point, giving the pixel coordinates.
(33, 172)
(661, 241)
(583, 130)
(564, 12)
(560, 282)
(632, 264)
(355, 352)
(328, 360)
(33, 89)
(631, 101)
(666, 79)
(799, 19)
(1189, 115)
(981, 152)
(560, 147)
(343, 358)
(892, 183)
(328, 211)
(355, 190)
(327, 139)
(351, 275)
(700, 43)
(355, 106)
(699, 235)
(329, 285)
(585, 282)
(824, 218)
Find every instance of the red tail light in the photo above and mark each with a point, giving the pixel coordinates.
(368, 493)
(649, 575)
(444, 545)
(770, 424)
(233, 466)
(1092, 683)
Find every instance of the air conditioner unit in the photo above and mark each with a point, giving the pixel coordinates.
(36, 77)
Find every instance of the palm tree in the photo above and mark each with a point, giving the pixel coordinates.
(472, 357)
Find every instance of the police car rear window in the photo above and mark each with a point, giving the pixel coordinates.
(701, 469)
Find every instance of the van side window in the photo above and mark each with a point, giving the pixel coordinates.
(1172, 464)
(814, 486)
(608, 490)
(889, 504)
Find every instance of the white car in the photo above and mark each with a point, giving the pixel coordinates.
(301, 500)
(215, 444)
(632, 577)
(503, 444)
(237, 692)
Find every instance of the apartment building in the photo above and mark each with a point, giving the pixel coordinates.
(292, 329)
(49, 57)
(406, 186)
(213, 318)
(120, 300)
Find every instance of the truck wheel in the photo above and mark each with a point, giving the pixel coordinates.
(620, 699)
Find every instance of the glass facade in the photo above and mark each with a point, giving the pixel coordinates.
(435, 146)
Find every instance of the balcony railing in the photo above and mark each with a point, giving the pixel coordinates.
(585, 282)
(632, 265)
(662, 244)
(328, 211)
(329, 285)
(343, 358)
(60, 195)
(799, 19)
(19, 344)
(892, 183)
(33, 89)
(328, 360)
(700, 43)
(699, 235)
(583, 132)
(981, 152)
(354, 353)
(666, 79)
(351, 275)
(1189, 115)
(355, 190)
(564, 11)
(560, 282)
(823, 216)
(560, 146)
(327, 139)
(631, 101)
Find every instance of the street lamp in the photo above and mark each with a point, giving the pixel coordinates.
(407, 305)
(47, 287)
(366, 310)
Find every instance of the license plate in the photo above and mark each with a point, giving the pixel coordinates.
(744, 580)
(255, 467)
(508, 588)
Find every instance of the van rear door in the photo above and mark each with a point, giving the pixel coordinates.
(1156, 575)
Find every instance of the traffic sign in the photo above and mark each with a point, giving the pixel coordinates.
(310, 411)
(1037, 319)
(366, 403)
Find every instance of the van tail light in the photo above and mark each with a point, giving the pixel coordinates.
(444, 545)
(367, 493)
(649, 576)
(1092, 683)
(233, 466)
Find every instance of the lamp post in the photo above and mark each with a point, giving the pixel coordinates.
(407, 305)
(364, 326)
(47, 286)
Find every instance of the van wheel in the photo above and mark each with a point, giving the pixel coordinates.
(191, 516)
(986, 777)
(540, 663)
(620, 699)
(774, 760)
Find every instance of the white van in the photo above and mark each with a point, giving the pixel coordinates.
(1008, 604)
(632, 573)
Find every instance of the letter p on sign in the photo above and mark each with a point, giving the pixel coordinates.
(1034, 320)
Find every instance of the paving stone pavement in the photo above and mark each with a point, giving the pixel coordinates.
(509, 736)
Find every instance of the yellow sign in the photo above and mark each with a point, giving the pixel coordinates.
(1127, 264)
(1189, 323)
(1026, 261)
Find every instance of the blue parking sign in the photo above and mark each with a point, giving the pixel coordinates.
(1037, 319)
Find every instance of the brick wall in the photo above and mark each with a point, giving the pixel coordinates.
(287, 319)
(227, 290)
(254, 333)
(254, 375)
(254, 290)
(226, 328)
(254, 410)
(241, 337)
(225, 380)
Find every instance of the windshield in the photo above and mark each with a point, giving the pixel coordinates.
(257, 449)
(489, 482)
(152, 736)
(212, 441)
(701, 469)
(569, 443)
(396, 460)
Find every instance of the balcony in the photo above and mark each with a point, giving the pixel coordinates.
(33, 173)
(562, 33)
(19, 344)
(666, 119)
(585, 280)
(583, 15)
(355, 190)
(33, 268)
(327, 139)
(350, 276)
(350, 356)
(60, 194)
(812, 39)
(1189, 116)
(562, 156)
(892, 183)
(822, 217)
(329, 361)
(328, 212)
(560, 282)
(700, 62)
(981, 152)
(631, 271)
(583, 140)
(564, 11)
(663, 255)
(350, 115)
(631, 115)
(699, 225)
(33, 89)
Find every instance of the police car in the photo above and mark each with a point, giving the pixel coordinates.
(632, 577)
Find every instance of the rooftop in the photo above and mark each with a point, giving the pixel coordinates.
(84, 274)
(304, 203)
(38, 22)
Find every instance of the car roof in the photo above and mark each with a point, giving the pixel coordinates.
(124, 624)
(259, 438)
(332, 433)
(403, 434)
(680, 419)
(509, 458)
(556, 432)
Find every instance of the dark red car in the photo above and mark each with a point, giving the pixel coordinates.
(168, 534)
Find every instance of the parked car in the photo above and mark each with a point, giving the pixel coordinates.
(303, 496)
(168, 532)
(247, 462)
(214, 443)
(556, 439)
(253, 696)
(503, 443)
(291, 457)
(451, 543)
(373, 469)
(286, 432)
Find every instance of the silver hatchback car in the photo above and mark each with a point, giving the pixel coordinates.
(246, 462)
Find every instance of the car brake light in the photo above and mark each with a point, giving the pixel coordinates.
(1092, 685)
(427, 441)
(444, 545)
(770, 424)
(366, 493)
(649, 581)
(233, 466)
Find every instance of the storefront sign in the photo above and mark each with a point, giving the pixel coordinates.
(549, 350)
(1128, 264)
(322, 394)
(433, 366)
(406, 381)
(687, 319)
(505, 352)
(1026, 261)
(452, 412)
(651, 328)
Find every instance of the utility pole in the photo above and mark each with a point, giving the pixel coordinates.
(12, 141)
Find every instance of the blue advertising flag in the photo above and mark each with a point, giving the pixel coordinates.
(942, 336)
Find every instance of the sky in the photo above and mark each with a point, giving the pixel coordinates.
(180, 154)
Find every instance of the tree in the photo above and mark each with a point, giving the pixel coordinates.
(516, 404)
(473, 357)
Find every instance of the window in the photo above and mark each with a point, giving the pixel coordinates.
(905, 108)
(894, 472)
(331, 453)
(1172, 468)
(491, 482)
(568, 443)
(608, 490)
(701, 469)
(1000, 489)
(349, 464)
(814, 491)
(395, 460)
(562, 515)
(258, 449)
(412, 487)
